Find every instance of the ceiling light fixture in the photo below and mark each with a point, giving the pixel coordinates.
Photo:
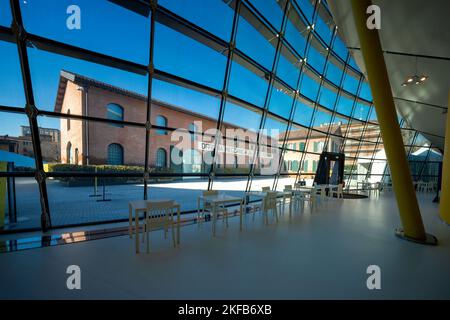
(416, 79)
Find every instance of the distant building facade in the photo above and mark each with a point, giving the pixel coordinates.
(313, 143)
(50, 143)
(9, 144)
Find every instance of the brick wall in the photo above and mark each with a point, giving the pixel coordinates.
(131, 138)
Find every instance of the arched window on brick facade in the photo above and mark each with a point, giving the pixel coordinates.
(115, 154)
(161, 158)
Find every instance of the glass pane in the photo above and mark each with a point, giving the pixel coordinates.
(366, 150)
(10, 76)
(351, 147)
(285, 181)
(296, 32)
(408, 136)
(60, 84)
(5, 13)
(310, 164)
(184, 190)
(182, 56)
(213, 15)
(327, 98)
(251, 41)
(333, 73)
(16, 145)
(351, 84)
(307, 7)
(365, 92)
(361, 111)
(179, 105)
(297, 139)
(288, 68)
(353, 64)
(234, 186)
(317, 142)
(274, 127)
(247, 85)
(184, 152)
(303, 112)
(271, 10)
(268, 157)
(309, 88)
(242, 117)
(75, 200)
(87, 146)
(316, 58)
(281, 102)
(27, 213)
(372, 115)
(371, 133)
(322, 120)
(341, 122)
(324, 25)
(100, 26)
(340, 48)
(345, 106)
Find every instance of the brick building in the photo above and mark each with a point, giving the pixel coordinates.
(93, 142)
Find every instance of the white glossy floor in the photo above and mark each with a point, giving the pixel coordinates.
(315, 256)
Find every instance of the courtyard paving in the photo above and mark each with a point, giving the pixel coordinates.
(75, 205)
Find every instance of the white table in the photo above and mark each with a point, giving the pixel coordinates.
(215, 200)
(302, 190)
(138, 206)
(263, 194)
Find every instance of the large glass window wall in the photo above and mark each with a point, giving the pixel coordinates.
(223, 95)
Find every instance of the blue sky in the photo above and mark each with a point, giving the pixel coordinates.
(109, 29)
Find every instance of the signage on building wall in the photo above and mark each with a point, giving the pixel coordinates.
(205, 146)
